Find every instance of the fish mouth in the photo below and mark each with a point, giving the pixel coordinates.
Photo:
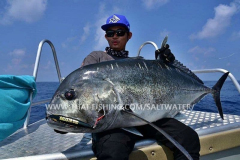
(67, 121)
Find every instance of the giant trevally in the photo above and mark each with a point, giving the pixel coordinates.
(91, 98)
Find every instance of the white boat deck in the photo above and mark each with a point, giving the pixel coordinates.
(40, 141)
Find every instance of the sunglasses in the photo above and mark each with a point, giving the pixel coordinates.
(119, 32)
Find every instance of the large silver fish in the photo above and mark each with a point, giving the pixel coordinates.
(91, 98)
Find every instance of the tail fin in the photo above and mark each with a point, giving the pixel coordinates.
(216, 92)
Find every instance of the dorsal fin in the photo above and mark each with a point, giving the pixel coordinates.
(183, 68)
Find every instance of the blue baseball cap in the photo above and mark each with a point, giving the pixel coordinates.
(116, 20)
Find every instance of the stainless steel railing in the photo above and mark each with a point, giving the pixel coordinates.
(145, 43)
(40, 102)
(60, 78)
(230, 75)
(235, 82)
(35, 71)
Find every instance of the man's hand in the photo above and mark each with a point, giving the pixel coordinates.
(165, 54)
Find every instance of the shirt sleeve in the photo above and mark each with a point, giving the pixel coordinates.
(91, 59)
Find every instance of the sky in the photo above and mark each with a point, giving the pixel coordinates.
(201, 34)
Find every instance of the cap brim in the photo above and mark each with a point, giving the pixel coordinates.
(106, 26)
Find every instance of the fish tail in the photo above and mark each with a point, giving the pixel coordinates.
(216, 92)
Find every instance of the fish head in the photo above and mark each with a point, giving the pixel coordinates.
(82, 102)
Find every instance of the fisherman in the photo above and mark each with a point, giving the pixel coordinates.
(117, 144)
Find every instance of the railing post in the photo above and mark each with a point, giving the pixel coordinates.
(235, 82)
(147, 42)
(35, 71)
(39, 55)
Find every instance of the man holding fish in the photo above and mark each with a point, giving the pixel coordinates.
(117, 144)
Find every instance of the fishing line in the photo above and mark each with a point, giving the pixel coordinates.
(163, 133)
(226, 56)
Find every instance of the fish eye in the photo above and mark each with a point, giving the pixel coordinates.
(69, 95)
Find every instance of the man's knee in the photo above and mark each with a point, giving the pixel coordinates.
(186, 137)
(112, 150)
(189, 139)
(116, 144)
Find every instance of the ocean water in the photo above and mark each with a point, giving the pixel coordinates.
(230, 98)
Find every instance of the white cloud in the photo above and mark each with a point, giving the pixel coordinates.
(164, 33)
(75, 42)
(151, 4)
(199, 51)
(48, 65)
(228, 64)
(221, 20)
(99, 35)
(23, 10)
(235, 35)
(101, 10)
(16, 61)
(66, 43)
(86, 30)
(18, 52)
(16, 65)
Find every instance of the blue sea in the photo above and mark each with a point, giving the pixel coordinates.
(230, 98)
